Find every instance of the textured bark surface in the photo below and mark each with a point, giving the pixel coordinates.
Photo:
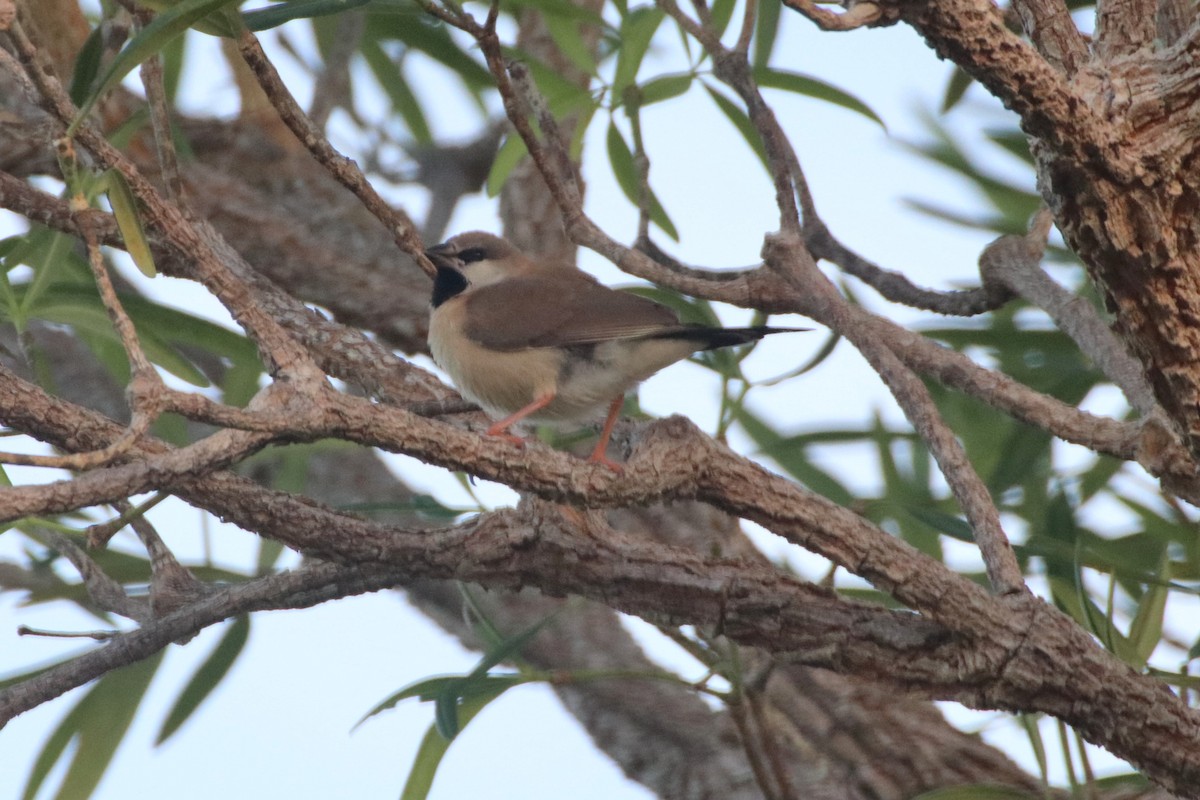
(1115, 138)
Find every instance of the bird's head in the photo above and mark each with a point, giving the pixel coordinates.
(474, 259)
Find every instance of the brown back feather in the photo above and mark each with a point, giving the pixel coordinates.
(561, 310)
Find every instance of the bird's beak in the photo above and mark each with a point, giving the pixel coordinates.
(442, 256)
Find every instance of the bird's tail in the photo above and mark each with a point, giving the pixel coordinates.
(714, 338)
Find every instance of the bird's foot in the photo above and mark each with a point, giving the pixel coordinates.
(598, 457)
(501, 433)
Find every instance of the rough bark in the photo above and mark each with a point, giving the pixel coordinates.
(1125, 197)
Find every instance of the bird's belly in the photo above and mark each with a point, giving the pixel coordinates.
(591, 378)
(500, 382)
(583, 379)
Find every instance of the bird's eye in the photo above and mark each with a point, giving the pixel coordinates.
(471, 255)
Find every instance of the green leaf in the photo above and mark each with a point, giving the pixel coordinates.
(507, 158)
(478, 681)
(625, 170)
(87, 66)
(165, 27)
(766, 31)
(49, 254)
(563, 95)
(722, 12)
(390, 77)
(792, 458)
(434, 746)
(690, 309)
(565, 33)
(563, 9)
(261, 19)
(206, 678)
(665, 87)
(124, 207)
(424, 505)
(742, 122)
(950, 524)
(428, 690)
(637, 30)
(956, 89)
(97, 724)
(1145, 631)
(172, 56)
(812, 363)
(415, 30)
(816, 88)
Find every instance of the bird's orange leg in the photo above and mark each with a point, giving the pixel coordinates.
(501, 428)
(598, 455)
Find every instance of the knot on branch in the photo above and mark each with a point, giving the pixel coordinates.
(1159, 448)
(1012, 254)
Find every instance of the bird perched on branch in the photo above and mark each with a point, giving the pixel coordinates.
(545, 342)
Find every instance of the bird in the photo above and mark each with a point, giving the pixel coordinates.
(540, 341)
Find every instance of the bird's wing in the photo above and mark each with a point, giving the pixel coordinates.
(557, 311)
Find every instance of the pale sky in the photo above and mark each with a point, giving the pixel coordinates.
(279, 724)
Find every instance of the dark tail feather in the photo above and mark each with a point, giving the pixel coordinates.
(714, 338)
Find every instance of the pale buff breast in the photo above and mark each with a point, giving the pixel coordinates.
(500, 382)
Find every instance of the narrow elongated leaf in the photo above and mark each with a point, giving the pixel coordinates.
(815, 88)
(261, 19)
(665, 87)
(722, 12)
(950, 524)
(956, 89)
(97, 724)
(794, 460)
(390, 77)
(620, 157)
(428, 690)
(433, 749)
(563, 9)
(766, 30)
(433, 40)
(124, 206)
(637, 30)
(690, 309)
(207, 677)
(740, 121)
(1145, 631)
(507, 158)
(563, 96)
(478, 680)
(566, 35)
(165, 27)
(87, 66)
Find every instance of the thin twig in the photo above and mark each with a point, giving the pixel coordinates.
(769, 739)
(734, 70)
(823, 303)
(99, 636)
(333, 85)
(101, 533)
(739, 712)
(105, 592)
(403, 231)
(895, 286)
(1014, 262)
(862, 14)
(160, 122)
(208, 251)
(747, 33)
(145, 386)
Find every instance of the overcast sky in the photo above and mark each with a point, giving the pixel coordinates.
(279, 724)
